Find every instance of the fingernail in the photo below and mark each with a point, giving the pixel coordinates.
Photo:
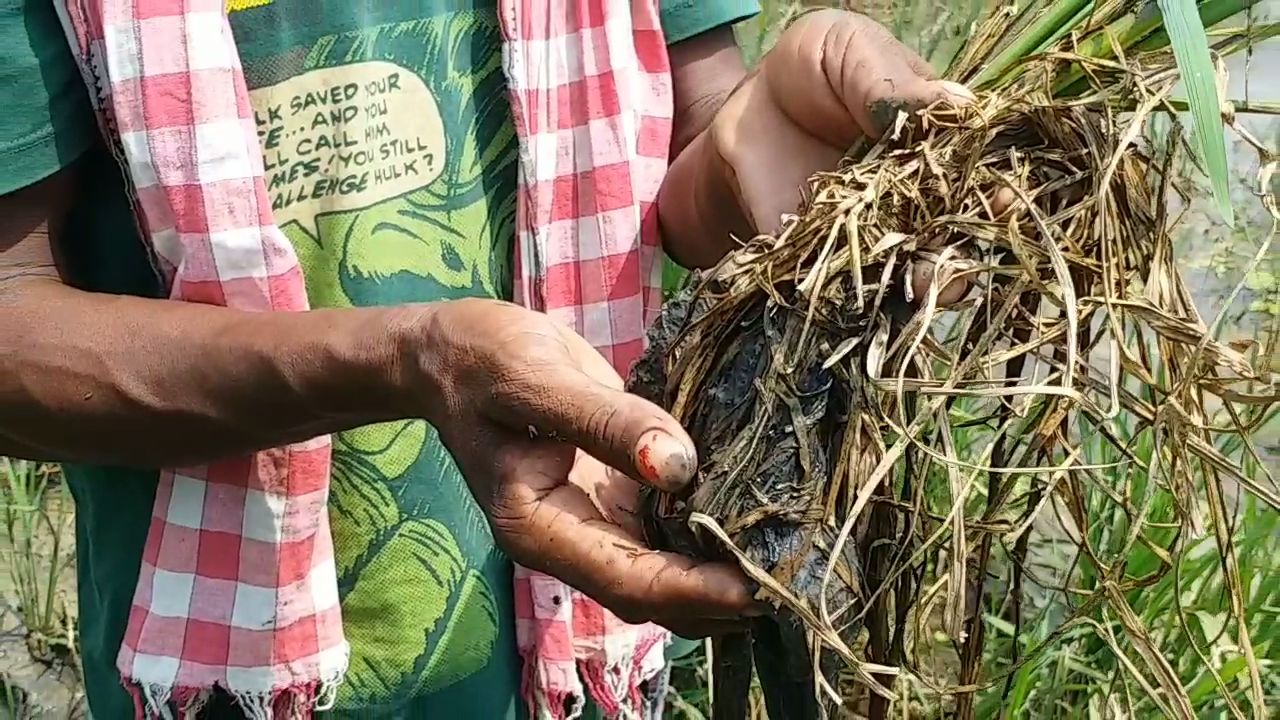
(663, 460)
(958, 90)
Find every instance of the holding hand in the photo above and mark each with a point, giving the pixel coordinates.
(552, 449)
(833, 77)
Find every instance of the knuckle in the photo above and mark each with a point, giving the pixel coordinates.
(603, 421)
(525, 355)
(514, 381)
(669, 588)
(665, 579)
(860, 23)
(495, 489)
(533, 389)
(502, 508)
(511, 535)
(852, 29)
(509, 519)
(833, 18)
(507, 460)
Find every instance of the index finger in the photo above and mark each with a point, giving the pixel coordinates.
(561, 533)
(616, 427)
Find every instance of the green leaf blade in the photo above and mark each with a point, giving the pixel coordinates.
(1191, 51)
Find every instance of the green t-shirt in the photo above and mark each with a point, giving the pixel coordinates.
(391, 164)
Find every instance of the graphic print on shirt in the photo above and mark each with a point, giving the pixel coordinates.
(390, 165)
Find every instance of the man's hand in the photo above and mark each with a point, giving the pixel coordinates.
(552, 448)
(120, 380)
(833, 77)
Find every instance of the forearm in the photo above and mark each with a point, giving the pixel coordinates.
(107, 379)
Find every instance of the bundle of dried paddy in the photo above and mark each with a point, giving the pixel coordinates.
(862, 451)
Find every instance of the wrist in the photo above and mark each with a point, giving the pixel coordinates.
(705, 68)
(365, 367)
(419, 359)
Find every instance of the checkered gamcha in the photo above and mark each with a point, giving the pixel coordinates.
(590, 83)
(237, 586)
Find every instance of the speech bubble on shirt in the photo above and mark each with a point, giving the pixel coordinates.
(346, 138)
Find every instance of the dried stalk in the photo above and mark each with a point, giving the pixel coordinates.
(826, 401)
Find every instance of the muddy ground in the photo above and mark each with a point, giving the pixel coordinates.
(48, 687)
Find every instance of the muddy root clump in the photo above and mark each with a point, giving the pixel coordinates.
(876, 462)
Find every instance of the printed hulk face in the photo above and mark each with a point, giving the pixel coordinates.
(390, 162)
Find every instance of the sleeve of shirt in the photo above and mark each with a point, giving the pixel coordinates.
(682, 19)
(46, 122)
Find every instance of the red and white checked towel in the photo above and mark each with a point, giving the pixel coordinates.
(238, 587)
(590, 86)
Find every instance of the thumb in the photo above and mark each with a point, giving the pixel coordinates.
(617, 428)
(954, 91)
(884, 101)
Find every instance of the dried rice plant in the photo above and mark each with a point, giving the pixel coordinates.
(827, 403)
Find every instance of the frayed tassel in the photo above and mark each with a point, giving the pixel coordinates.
(327, 696)
(618, 687)
(566, 706)
(160, 702)
(256, 706)
(155, 702)
(297, 702)
(654, 694)
(190, 701)
(605, 685)
(544, 703)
